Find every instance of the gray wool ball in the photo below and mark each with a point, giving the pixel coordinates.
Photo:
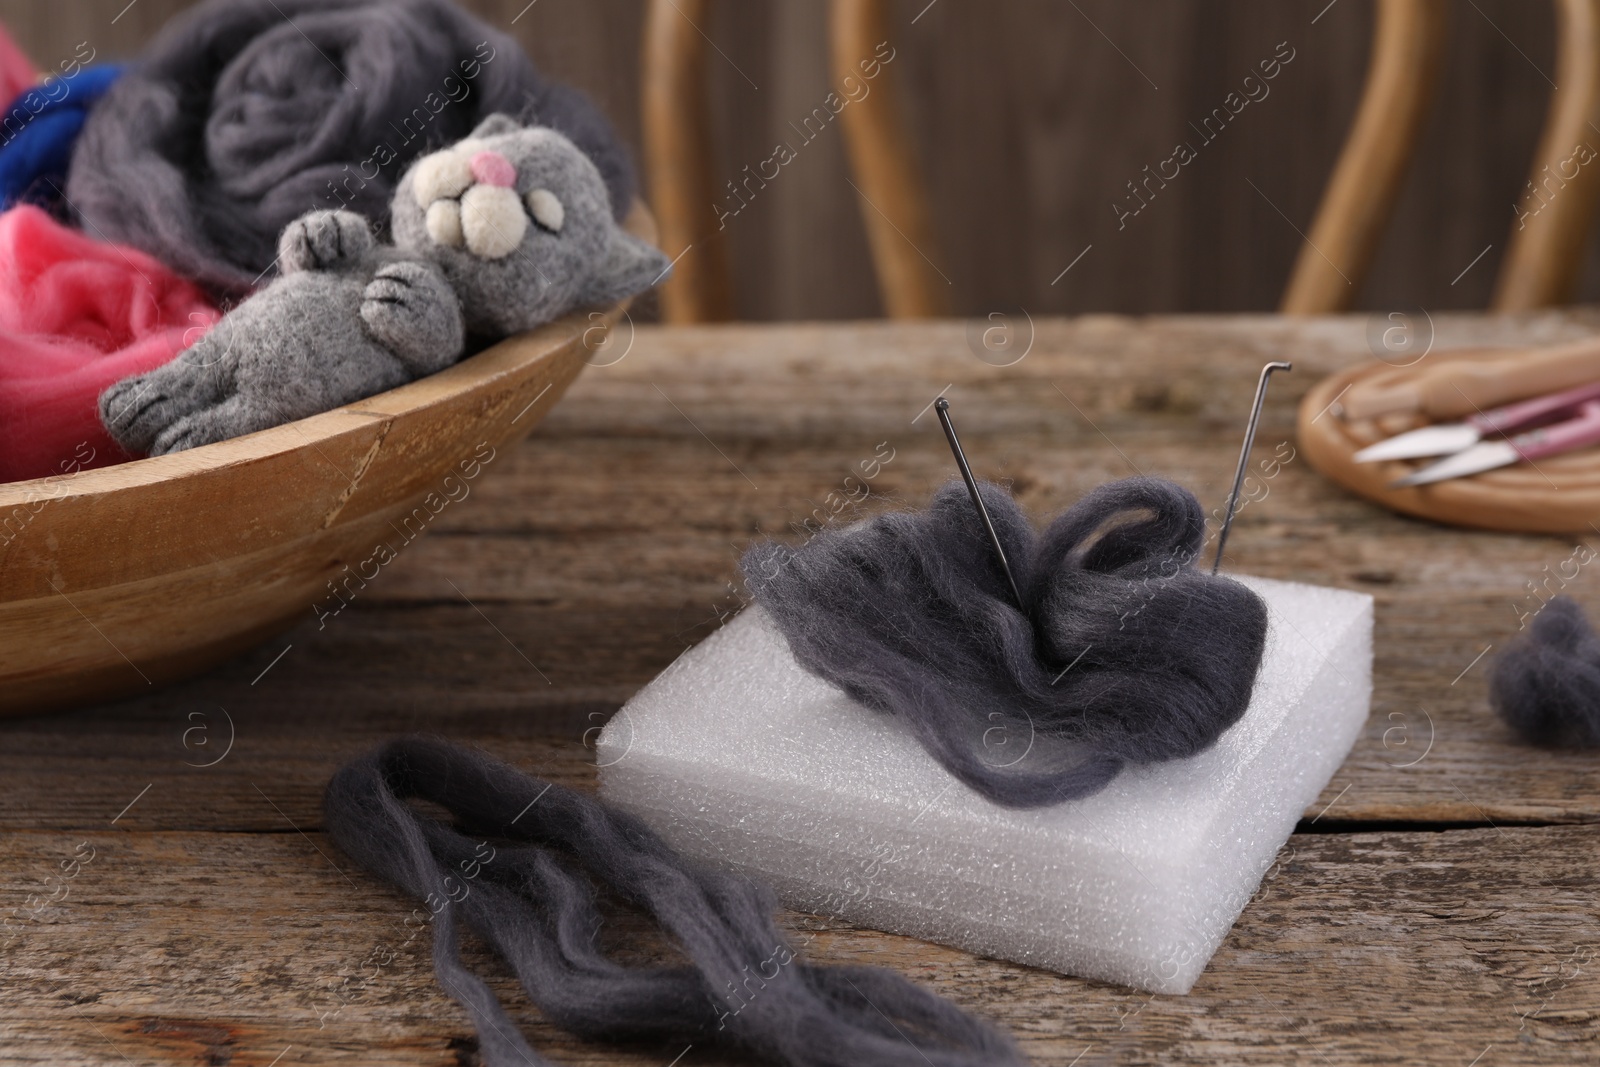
(499, 233)
(1545, 684)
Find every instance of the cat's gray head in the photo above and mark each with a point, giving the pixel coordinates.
(519, 220)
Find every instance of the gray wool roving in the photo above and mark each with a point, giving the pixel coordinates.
(1123, 652)
(520, 868)
(243, 115)
(499, 233)
(1546, 683)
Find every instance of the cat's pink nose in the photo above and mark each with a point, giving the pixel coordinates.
(491, 168)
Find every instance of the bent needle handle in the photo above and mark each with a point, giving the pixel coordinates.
(1244, 456)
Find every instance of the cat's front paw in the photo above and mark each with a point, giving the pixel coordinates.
(136, 410)
(412, 311)
(323, 240)
(233, 417)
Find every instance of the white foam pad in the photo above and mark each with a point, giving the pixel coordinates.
(741, 758)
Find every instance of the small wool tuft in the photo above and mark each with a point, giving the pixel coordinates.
(1546, 683)
(520, 867)
(1122, 652)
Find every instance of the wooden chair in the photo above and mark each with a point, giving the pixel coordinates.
(1545, 252)
(677, 148)
(1541, 266)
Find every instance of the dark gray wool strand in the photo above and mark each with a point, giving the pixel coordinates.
(1123, 652)
(243, 115)
(520, 868)
(1546, 683)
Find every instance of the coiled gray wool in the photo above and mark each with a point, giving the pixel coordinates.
(243, 115)
(521, 867)
(1122, 652)
(1546, 683)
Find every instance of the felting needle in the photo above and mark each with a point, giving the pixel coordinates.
(1244, 456)
(942, 406)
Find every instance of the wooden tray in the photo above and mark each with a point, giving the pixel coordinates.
(116, 580)
(1560, 494)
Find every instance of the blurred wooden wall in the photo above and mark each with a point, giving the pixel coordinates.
(1032, 116)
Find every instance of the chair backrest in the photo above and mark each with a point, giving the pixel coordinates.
(1407, 53)
(1543, 259)
(894, 205)
(677, 150)
(677, 146)
(1549, 233)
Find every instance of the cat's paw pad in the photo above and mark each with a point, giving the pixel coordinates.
(406, 295)
(412, 310)
(323, 240)
(135, 411)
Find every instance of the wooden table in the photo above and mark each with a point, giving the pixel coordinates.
(1438, 904)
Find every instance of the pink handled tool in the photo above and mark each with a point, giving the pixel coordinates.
(1575, 433)
(1451, 437)
(1527, 412)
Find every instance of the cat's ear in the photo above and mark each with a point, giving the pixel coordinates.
(495, 125)
(627, 266)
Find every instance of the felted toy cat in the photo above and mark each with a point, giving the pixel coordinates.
(505, 230)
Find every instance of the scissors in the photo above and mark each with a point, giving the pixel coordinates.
(1529, 430)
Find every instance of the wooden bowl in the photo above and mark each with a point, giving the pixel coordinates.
(121, 578)
(1561, 494)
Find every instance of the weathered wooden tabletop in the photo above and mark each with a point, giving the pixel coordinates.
(172, 898)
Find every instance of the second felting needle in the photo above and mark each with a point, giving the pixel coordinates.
(1244, 456)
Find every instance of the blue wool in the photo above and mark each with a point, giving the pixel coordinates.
(39, 130)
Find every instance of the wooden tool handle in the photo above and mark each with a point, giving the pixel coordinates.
(1453, 388)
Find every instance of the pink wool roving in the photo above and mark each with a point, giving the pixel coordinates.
(76, 315)
(17, 72)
